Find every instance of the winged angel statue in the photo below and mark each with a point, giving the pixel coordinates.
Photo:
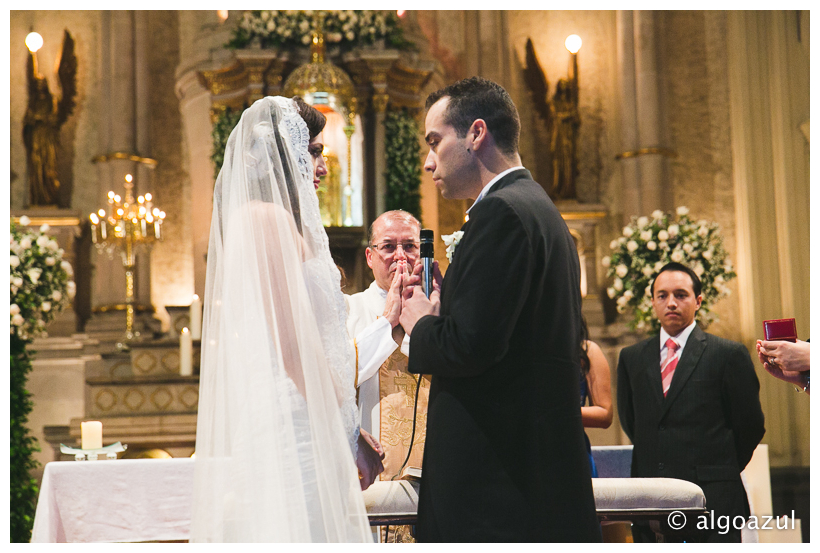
(41, 126)
(563, 122)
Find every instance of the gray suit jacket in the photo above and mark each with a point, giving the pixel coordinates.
(706, 428)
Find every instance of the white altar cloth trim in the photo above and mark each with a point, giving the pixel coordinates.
(127, 500)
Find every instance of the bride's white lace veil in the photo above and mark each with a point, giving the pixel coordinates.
(277, 421)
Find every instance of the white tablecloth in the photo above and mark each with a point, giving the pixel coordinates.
(136, 500)
(126, 500)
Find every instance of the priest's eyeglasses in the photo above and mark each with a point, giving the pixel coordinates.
(389, 248)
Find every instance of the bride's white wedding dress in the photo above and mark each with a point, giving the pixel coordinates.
(277, 422)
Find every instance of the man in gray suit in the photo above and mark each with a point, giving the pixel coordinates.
(689, 402)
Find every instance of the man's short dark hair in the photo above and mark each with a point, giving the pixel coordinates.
(680, 267)
(314, 119)
(478, 98)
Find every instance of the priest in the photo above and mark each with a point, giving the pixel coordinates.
(386, 391)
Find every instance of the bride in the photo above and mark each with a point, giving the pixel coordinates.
(277, 429)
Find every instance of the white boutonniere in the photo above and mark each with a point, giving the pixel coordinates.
(452, 240)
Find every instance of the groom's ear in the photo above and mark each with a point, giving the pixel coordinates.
(477, 135)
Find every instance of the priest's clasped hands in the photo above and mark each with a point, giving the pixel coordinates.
(406, 302)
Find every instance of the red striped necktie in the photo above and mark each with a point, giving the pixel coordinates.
(668, 366)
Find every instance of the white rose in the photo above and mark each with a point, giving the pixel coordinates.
(621, 309)
(25, 243)
(643, 221)
(640, 325)
(45, 228)
(657, 214)
(34, 275)
(627, 231)
(658, 266)
(305, 39)
(17, 281)
(606, 261)
(14, 261)
(53, 245)
(683, 210)
(674, 230)
(350, 35)
(688, 248)
(627, 295)
(618, 284)
(647, 271)
(66, 266)
(699, 270)
(664, 245)
(622, 301)
(719, 279)
(304, 25)
(677, 256)
(71, 288)
(14, 309)
(43, 240)
(264, 15)
(646, 235)
(613, 244)
(621, 270)
(651, 246)
(50, 261)
(647, 292)
(46, 306)
(621, 240)
(271, 26)
(17, 320)
(631, 246)
(610, 292)
(57, 295)
(25, 221)
(707, 255)
(703, 231)
(663, 235)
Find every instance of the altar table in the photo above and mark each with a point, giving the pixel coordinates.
(139, 500)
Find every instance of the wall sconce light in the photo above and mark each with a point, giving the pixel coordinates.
(223, 15)
(34, 41)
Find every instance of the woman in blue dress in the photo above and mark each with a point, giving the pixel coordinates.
(595, 389)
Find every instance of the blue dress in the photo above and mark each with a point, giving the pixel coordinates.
(584, 395)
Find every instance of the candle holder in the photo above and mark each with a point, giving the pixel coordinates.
(110, 452)
(128, 226)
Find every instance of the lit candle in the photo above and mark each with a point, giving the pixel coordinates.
(186, 353)
(91, 434)
(196, 318)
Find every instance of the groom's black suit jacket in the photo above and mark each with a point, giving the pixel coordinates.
(708, 425)
(505, 458)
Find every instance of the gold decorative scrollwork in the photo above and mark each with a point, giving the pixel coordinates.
(647, 151)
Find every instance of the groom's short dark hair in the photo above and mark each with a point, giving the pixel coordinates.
(478, 98)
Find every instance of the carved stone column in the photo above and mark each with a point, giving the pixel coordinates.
(630, 175)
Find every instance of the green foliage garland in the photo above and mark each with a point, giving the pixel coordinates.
(223, 126)
(23, 486)
(40, 287)
(403, 154)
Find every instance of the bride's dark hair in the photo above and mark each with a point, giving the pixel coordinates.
(314, 119)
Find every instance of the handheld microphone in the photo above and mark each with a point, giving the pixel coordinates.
(426, 254)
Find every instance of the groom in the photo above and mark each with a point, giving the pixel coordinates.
(505, 458)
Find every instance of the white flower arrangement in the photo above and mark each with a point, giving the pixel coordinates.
(347, 28)
(40, 282)
(649, 243)
(451, 241)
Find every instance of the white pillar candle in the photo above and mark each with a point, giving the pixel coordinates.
(91, 434)
(196, 318)
(186, 350)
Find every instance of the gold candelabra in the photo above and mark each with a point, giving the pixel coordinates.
(127, 226)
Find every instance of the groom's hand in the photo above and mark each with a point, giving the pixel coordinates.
(415, 305)
(369, 459)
